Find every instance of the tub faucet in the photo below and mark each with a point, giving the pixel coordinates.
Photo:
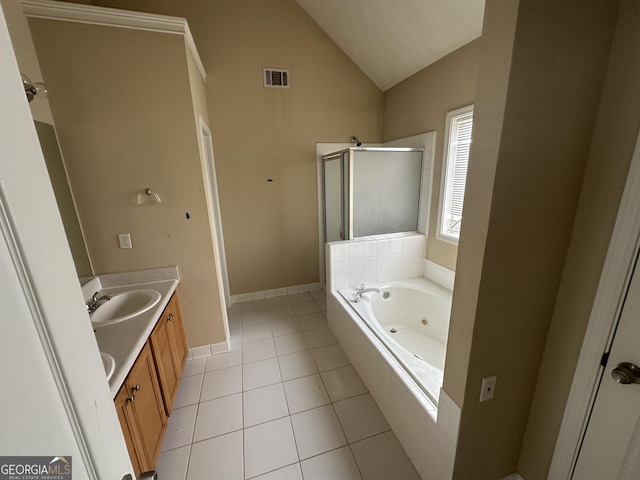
(95, 302)
(362, 290)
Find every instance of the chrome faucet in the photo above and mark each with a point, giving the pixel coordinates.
(362, 290)
(95, 302)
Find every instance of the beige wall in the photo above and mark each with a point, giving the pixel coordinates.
(554, 85)
(491, 94)
(125, 118)
(419, 104)
(611, 150)
(271, 228)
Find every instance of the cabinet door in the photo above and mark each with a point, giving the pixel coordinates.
(130, 431)
(148, 408)
(177, 334)
(161, 345)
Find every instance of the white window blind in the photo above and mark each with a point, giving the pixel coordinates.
(459, 126)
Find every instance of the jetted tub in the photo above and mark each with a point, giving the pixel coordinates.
(411, 318)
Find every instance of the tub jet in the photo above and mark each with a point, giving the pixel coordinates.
(393, 330)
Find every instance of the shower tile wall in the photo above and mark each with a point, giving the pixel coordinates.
(376, 259)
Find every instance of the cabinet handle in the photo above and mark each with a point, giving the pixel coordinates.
(171, 315)
(136, 388)
(131, 398)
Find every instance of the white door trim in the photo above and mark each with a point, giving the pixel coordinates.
(214, 209)
(614, 282)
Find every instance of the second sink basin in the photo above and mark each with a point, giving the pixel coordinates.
(109, 364)
(124, 306)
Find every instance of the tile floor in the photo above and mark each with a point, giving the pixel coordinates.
(283, 404)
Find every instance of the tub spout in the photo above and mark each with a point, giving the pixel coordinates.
(362, 290)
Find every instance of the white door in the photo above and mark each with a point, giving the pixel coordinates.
(54, 395)
(611, 447)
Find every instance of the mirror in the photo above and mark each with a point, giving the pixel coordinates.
(64, 198)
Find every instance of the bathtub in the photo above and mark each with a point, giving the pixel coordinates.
(411, 319)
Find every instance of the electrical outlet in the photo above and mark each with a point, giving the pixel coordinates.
(488, 388)
(125, 240)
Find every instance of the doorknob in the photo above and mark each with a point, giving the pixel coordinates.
(626, 373)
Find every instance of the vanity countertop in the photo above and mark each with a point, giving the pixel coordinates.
(124, 340)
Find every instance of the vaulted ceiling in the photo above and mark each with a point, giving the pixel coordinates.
(391, 40)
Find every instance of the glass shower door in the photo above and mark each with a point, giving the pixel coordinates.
(385, 194)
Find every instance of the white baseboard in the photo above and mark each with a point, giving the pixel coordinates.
(513, 476)
(275, 292)
(439, 274)
(208, 350)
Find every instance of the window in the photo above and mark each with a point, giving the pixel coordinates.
(457, 141)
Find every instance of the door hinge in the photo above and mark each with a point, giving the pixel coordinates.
(604, 359)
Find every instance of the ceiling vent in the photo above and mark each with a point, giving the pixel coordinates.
(276, 78)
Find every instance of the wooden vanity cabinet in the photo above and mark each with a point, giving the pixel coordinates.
(129, 426)
(178, 334)
(142, 413)
(145, 399)
(169, 346)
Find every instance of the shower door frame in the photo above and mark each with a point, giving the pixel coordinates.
(323, 149)
(339, 155)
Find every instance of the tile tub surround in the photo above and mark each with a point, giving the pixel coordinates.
(428, 433)
(124, 340)
(373, 260)
(439, 274)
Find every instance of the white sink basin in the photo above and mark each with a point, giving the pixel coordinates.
(109, 364)
(124, 306)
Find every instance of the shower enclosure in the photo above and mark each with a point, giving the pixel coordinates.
(371, 191)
